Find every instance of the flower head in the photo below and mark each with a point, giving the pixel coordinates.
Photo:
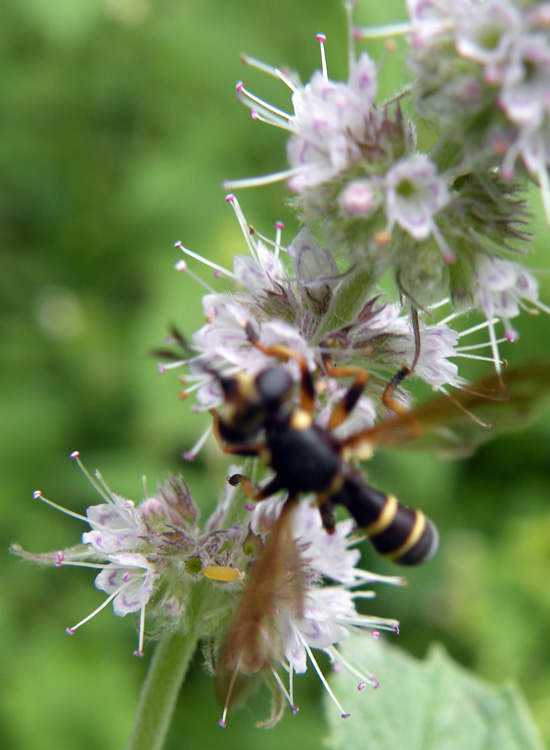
(483, 70)
(284, 617)
(329, 124)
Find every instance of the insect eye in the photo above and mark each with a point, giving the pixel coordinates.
(273, 384)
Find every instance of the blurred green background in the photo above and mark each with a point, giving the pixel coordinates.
(119, 123)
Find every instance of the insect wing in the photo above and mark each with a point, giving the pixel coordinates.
(454, 426)
(253, 640)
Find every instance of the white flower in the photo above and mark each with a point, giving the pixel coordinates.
(329, 613)
(329, 124)
(525, 94)
(439, 344)
(414, 194)
(499, 288)
(327, 554)
(486, 32)
(116, 525)
(129, 582)
(429, 18)
(261, 273)
(225, 348)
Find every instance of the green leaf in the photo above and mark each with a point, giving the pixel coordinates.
(426, 705)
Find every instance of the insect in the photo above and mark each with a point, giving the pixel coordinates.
(306, 457)
(260, 417)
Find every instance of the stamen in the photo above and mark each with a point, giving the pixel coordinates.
(452, 316)
(482, 359)
(293, 707)
(141, 636)
(267, 179)
(37, 495)
(190, 455)
(478, 327)
(439, 304)
(243, 224)
(494, 348)
(279, 226)
(181, 265)
(544, 182)
(232, 681)
(321, 38)
(538, 304)
(107, 601)
(104, 491)
(471, 347)
(365, 576)
(269, 69)
(123, 506)
(366, 679)
(366, 622)
(282, 687)
(321, 676)
(273, 115)
(381, 32)
(79, 563)
(193, 387)
(163, 366)
(211, 264)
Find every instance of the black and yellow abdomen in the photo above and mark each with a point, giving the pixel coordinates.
(396, 531)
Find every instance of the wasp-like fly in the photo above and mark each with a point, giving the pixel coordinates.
(306, 457)
(260, 417)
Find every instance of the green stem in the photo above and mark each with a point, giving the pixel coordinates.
(174, 652)
(160, 690)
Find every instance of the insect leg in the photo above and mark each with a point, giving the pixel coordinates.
(387, 397)
(352, 395)
(328, 517)
(256, 494)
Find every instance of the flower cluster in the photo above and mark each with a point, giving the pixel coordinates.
(152, 555)
(397, 246)
(441, 221)
(484, 68)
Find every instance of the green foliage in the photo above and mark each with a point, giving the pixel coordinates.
(429, 705)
